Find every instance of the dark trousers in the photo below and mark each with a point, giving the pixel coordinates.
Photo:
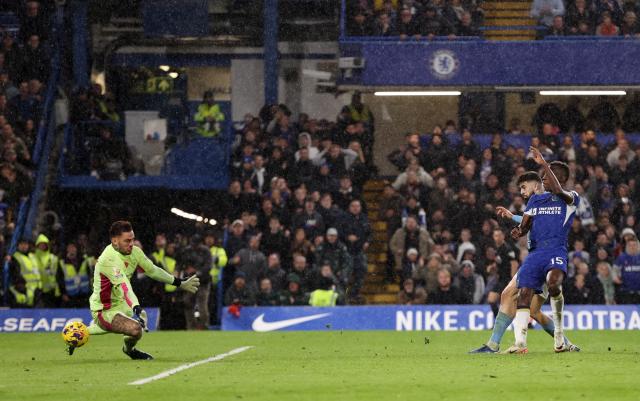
(172, 312)
(359, 274)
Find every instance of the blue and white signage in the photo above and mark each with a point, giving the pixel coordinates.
(416, 318)
(38, 320)
(444, 64)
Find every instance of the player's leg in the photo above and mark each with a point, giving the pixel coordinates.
(546, 322)
(530, 279)
(120, 323)
(555, 276)
(503, 318)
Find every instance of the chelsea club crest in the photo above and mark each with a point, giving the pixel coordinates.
(443, 64)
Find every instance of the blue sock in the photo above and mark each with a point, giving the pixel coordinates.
(499, 327)
(549, 327)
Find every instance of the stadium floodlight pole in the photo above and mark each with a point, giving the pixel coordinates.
(583, 93)
(270, 37)
(417, 93)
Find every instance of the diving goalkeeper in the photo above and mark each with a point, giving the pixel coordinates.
(114, 306)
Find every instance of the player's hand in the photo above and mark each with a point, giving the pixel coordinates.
(503, 212)
(516, 233)
(190, 285)
(536, 155)
(140, 315)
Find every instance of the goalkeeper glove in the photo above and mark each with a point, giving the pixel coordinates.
(140, 315)
(190, 284)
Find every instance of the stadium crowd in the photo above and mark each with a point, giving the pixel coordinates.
(24, 69)
(429, 18)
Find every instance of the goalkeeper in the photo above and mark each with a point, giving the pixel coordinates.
(114, 306)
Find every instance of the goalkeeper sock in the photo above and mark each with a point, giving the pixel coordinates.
(499, 327)
(129, 343)
(520, 326)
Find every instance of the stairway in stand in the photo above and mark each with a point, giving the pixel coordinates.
(375, 291)
(509, 20)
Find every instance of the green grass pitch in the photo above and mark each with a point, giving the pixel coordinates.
(322, 366)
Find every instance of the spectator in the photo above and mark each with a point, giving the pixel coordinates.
(383, 26)
(293, 295)
(410, 294)
(630, 27)
(267, 296)
(274, 239)
(605, 276)
(470, 283)
(33, 22)
(34, 61)
(411, 236)
(209, 117)
(557, 27)
(466, 27)
(15, 184)
(251, 262)
(407, 25)
(431, 24)
(545, 10)
(445, 293)
(326, 288)
(627, 270)
(309, 220)
(414, 209)
(360, 25)
(583, 289)
(73, 279)
(607, 27)
(334, 253)
(275, 273)
(391, 206)
(414, 166)
(196, 260)
(621, 149)
(612, 7)
(356, 235)
(578, 13)
(300, 245)
(111, 158)
(411, 264)
(239, 293)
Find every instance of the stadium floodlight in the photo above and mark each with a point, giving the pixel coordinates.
(583, 93)
(418, 93)
(173, 75)
(192, 216)
(164, 68)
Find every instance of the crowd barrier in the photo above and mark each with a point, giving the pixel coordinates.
(416, 318)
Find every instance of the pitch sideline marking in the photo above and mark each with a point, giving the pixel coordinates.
(186, 366)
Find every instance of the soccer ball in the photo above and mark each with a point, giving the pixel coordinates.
(75, 334)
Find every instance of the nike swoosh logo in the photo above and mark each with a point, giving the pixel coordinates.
(260, 325)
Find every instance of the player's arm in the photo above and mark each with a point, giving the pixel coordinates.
(523, 228)
(506, 214)
(556, 188)
(190, 284)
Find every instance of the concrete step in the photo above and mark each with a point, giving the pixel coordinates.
(499, 13)
(382, 299)
(507, 5)
(510, 22)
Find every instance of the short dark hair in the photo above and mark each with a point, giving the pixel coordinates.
(529, 176)
(119, 227)
(561, 170)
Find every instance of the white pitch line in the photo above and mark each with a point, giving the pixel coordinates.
(186, 366)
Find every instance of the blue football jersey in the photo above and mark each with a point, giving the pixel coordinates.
(552, 219)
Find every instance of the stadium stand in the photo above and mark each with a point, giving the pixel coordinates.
(306, 219)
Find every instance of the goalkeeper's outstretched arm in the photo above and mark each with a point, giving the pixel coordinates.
(190, 284)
